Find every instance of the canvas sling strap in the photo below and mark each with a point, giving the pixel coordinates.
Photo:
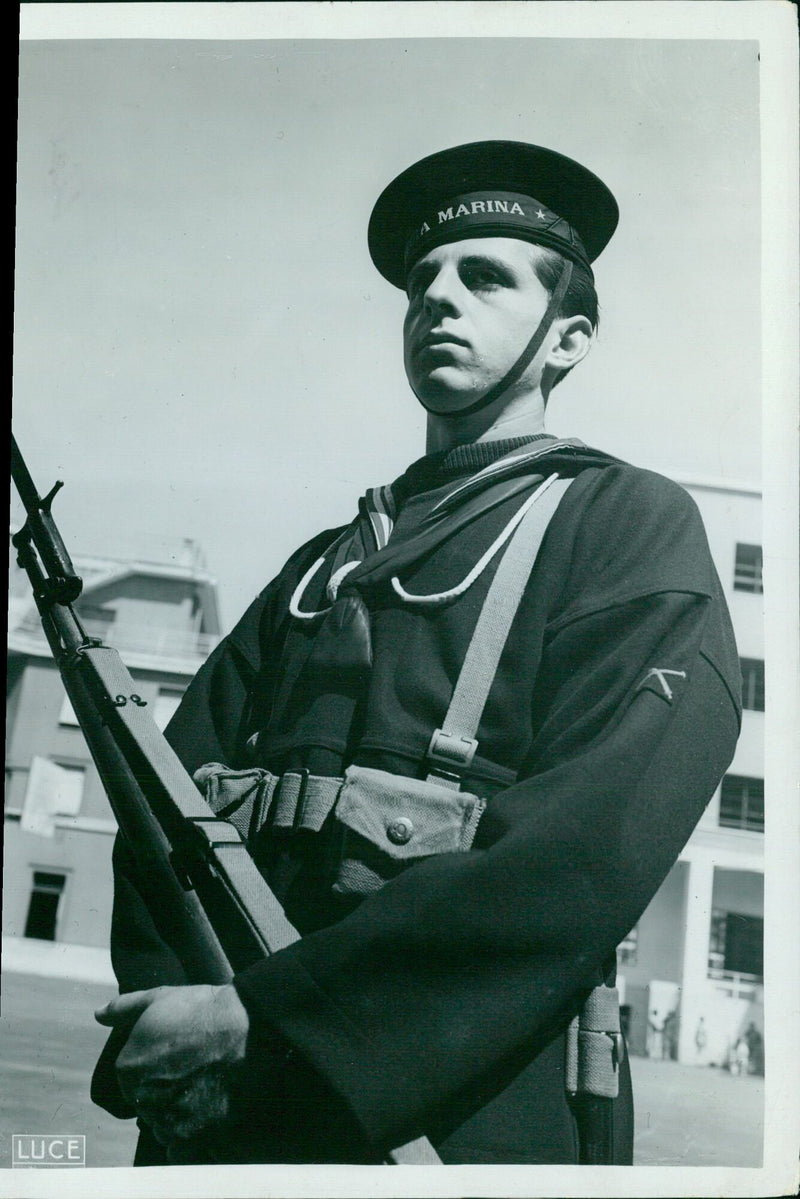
(594, 1041)
(452, 747)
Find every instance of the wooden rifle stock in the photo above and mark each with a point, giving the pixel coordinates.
(198, 877)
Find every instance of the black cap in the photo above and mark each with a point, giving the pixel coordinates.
(490, 189)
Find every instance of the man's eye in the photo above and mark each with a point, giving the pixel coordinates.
(481, 278)
(416, 286)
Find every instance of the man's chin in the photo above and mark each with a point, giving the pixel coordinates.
(441, 398)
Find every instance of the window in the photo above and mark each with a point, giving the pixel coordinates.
(166, 705)
(736, 944)
(741, 803)
(53, 790)
(747, 574)
(716, 940)
(44, 904)
(67, 713)
(626, 950)
(752, 684)
(67, 794)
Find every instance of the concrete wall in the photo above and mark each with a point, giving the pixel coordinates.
(660, 941)
(739, 891)
(15, 670)
(82, 854)
(659, 951)
(84, 915)
(35, 730)
(731, 518)
(164, 604)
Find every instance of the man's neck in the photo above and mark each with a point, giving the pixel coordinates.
(520, 416)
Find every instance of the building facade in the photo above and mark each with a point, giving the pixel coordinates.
(692, 969)
(59, 829)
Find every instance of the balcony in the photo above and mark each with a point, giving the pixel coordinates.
(140, 641)
(734, 984)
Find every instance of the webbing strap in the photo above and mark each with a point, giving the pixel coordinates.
(303, 801)
(453, 745)
(247, 798)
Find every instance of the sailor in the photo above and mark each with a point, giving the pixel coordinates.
(462, 845)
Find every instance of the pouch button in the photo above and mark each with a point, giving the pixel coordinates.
(400, 831)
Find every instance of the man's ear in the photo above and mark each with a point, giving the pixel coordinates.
(572, 341)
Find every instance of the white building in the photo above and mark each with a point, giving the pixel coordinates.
(58, 828)
(698, 949)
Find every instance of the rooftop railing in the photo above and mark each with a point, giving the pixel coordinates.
(734, 983)
(144, 639)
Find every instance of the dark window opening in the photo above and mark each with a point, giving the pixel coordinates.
(44, 903)
(747, 572)
(736, 944)
(627, 950)
(741, 803)
(744, 944)
(752, 684)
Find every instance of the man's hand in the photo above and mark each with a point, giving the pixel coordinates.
(175, 1063)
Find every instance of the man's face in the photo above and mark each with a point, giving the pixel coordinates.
(473, 306)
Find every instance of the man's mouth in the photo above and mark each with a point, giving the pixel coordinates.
(440, 340)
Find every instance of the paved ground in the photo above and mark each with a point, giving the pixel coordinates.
(695, 1116)
(48, 1044)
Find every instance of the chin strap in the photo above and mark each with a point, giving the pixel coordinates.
(525, 358)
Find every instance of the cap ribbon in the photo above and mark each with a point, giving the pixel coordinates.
(495, 214)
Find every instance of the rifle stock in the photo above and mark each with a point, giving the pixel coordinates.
(199, 880)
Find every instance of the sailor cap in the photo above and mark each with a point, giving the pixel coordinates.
(490, 189)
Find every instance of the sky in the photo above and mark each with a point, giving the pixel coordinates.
(203, 348)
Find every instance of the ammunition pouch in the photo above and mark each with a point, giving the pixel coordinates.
(386, 822)
(391, 822)
(595, 1046)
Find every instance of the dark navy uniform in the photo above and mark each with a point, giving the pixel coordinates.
(438, 1005)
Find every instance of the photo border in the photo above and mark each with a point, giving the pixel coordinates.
(773, 25)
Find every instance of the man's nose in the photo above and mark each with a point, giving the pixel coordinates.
(442, 293)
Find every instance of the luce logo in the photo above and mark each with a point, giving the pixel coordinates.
(48, 1149)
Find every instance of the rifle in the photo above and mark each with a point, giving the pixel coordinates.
(195, 867)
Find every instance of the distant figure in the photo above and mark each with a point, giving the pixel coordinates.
(669, 1045)
(740, 1057)
(701, 1039)
(755, 1045)
(655, 1035)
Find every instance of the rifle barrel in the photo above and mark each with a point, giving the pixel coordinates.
(62, 584)
(22, 478)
